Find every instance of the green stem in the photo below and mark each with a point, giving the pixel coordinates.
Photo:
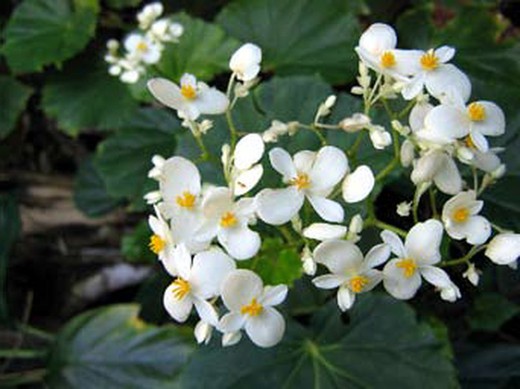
(23, 377)
(416, 201)
(433, 203)
(205, 153)
(385, 226)
(465, 259)
(21, 353)
(286, 234)
(387, 170)
(316, 131)
(229, 118)
(36, 332)
(352, 151)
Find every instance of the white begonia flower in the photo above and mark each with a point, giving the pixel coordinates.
(472, 274)
(228, 221)
(450, 292)
(461, 219)
(504, 249)
(251, 307)
(415, 259)
(309, 264)
(309, 175)
(203, 332)
(404, 209)
(379, 137)
(191, 99)
(248, 151)
(142, 48)
(476, 120)
(438, 167)
(349, 271)
(196, 282)
(358, 184)
(488, 162)
(165, 31)
(431, 69)
(149, 14)
(245, 62)
(325, 231)
(161, 241)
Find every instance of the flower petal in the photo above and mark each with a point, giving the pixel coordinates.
(179, 175)
(278, 206)
(282, 162)
(209, 270)
(328, 169)
(216, 202)
(239, 288)
(417, 116)
(266, 329)
(239, 241)
(231, 322)
(504, 249)
(303, 160)
(211, 101)
(436, 276)
(177, 309)
(447, 81)
(479, 141)
(447, 178)
(248, 151)
(274, 295)
(377, 255)
(166, 92)
(477, 229)
(324, 231)
(247, 180)
(328, 210)
(395, 282)
(339, 256)
(378, 38)
(395, 243)
(345, 298)
(445, 123)
(328, 281)
(358, 184)
(206, 311)
(494, 123)
(423, 242)
(182, 261)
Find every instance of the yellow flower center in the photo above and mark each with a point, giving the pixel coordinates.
(187, 200)
(408, 265)
(188, 92)
(357, 283)
(181, 288)
(387, 59)
(469, 142)
(476, 112)
(461, 215)
(228, 220)
(301, 181)
(252, 309)
(142, 46)
(429, 60)
(156, 244)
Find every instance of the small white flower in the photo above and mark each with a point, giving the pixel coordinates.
(245, 62)
(350, 272)
(504, 249)
(309, 175)
(309, 264)
(157, 170)
(472, 274)
(142, 48)
(248, 151)
(161, 242)
(203, 332)
(197, 282)
(461, 219)
(438, 167)
(450, 292)
(149, 14)
(324, 108)
(191, 99)
(251, 307)
(354, 123)
(379, 137)
(325, 231)
(404, 209)
(415, 259)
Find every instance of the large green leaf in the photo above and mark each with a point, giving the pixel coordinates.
(298, 37)
(44, 32)
(203, 50)
(84, 95)
(134, 245)
(124, 158)
(383, 346)
(13, 96)
(490, 311)
(112, 348)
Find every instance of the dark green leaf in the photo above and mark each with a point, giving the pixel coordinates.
(298, 37)
(111, 347)
(120, 4)
(13, 96)
(383, 346)
(44, 32)
(134, 246)
(490, 311)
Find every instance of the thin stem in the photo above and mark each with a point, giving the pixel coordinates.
(352, 151)
(22, 353)
(416, 200)
(286, 234)
(465, 259)
(316, 131)
(36, 332)
(229, 118)
(205, 153)
(23, 377)
(387, 170)
(475, 179)
(433, 203)
(385, 226)
(406, 109)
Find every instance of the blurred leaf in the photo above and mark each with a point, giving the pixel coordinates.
(120, 4)
(383, 346)
(298, 37)
(90, 194)
(150, 292)
(124, 159)
(111, 347)
(275, 263)
(84, 95)
(203, 50)
(490, 311)
(44, 32)
(134, 246)
(14, 96)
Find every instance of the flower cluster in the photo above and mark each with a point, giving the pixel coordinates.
(143, 47)
(201, 231)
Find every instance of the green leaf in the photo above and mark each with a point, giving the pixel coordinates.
(275, 263)
(383, 346)
(203, 50)
(124, 158)
(134, 246)
(44, 32)
(111, 347)
(84, 95)
(14, 96)
(120, 4)
(90, 194)
(490, 311)
(298, 37)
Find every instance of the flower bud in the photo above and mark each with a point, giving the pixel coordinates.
(404, 208)
(472, 274)
(231, 338)
(354, 123)
(203, 332)
(504, 248)
(380, 138)
(407, 153)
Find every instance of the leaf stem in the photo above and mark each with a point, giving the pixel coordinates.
(464, 259)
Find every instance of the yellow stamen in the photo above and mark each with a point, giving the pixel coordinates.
(228, 220)
(469, 142)
(408, 265)
(461, 215)
(142, 46)
(188, 92)
(181, 288)
(357, 283)
(476, 112)
(156, 244)
(187, 200)
(252, 309)
(387, 59)
(301, 181)
(429, 60)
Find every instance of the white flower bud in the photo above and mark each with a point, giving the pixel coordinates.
(354, 123)
(464, 154)
(231, 338)
(472, 274)
(245, 62)
(115, 70)
(112, 45)
(297, 224)
(379, 137)
(309, 264)
(499, 172)
(357, 90)
(450, 293)
(176, 30)
(203, 332)
(404, 208)
(152, 197)
(225, 155)
(356, 224)
(331, 100)
(407, 153)
(403, 130)
(504, 248)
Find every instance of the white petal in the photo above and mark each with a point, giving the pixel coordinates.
(211, 102)
(427, 167)
(179, 175)
(216, 202)
(413, 87)
(248, 151)
(231, 338)
(328, 169)
(397, 284)
(328, 210)
(324, 231)
(378, 38)
(231, 322)
(448, 80)
(239, 288)
(445, 53)
(435, 276)
(418, 114)
(423, 242)
(303, 160)
(447, 178)
(345, 298)
(166, 92)
(445, 123)
(182, 261)
(328, 281)
(245, 61)
(374, 278)
(339, 256)
(395, 243)
(177, 309)
(278, 206)
(478, 230)
(266, 329)
(206, 311)
(209, 270)
(169, 261)
(239, 241)
(487, 162)
(247, 180)
(494, 123)
(377, 255)
(282, 163)
(504, 248)
(203, 332)
(358, 184)
(274, 295)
